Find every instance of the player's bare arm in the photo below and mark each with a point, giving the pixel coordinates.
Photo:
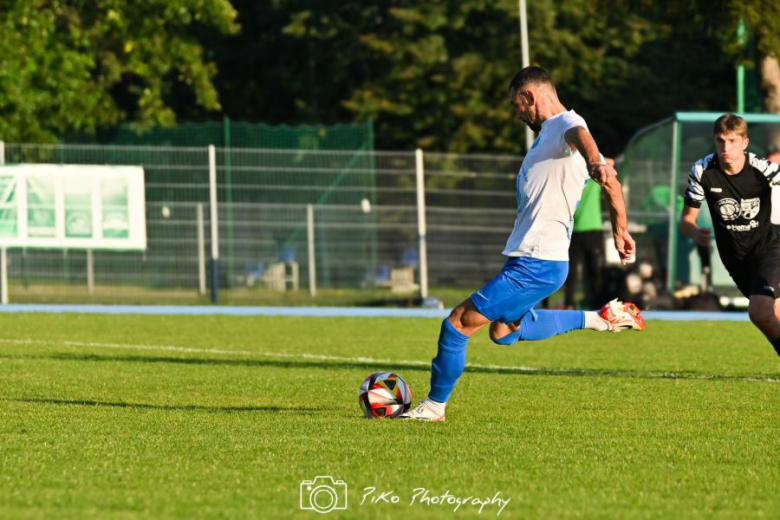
(624, 243)
(691, 229)
(598, 169)
(580, 139)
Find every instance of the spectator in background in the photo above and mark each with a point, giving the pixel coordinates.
(586, 251)
(773, 154)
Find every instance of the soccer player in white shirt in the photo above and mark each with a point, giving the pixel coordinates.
(549, 186)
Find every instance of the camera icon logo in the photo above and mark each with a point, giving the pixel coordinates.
(323, 494)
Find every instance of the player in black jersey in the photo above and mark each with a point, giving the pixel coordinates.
(737, 186)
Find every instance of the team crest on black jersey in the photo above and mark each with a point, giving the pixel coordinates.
(729, 209)
(749, 208)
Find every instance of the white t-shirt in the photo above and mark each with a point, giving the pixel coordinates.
(549, 187)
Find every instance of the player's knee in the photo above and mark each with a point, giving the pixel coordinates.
(762, 316)
(502, 335)
(507, 339)
(462, 318)
(456, 320)
(457, 314)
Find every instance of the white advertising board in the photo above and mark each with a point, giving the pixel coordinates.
(72, 206)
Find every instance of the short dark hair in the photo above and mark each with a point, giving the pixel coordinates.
(730, 123)
(531, 75)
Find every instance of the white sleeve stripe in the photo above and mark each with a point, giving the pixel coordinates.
(695, 190)
(695, 194)
(769, 169)
(772, 174)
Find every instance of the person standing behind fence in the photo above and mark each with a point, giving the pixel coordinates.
(586, 251)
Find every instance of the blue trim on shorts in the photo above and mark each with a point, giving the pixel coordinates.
(522, 283)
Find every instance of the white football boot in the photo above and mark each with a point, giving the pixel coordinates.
(423, 412)
(622, 316)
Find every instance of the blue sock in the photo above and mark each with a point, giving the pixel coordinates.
(449, 362)
(536, 325)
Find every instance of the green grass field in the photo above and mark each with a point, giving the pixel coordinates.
(224, 417)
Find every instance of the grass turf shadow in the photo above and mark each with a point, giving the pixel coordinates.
(188, 407)
(421, 367)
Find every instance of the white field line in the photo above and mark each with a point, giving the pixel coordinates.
(24, 341)
(405, 362)
(160, 348)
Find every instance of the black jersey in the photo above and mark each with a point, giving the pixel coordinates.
(740, 205)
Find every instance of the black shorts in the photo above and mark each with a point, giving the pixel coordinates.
(759, 274)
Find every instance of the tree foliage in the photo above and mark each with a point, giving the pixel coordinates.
(70, 66)
(435, 74)
(430, 74)
(761, 21)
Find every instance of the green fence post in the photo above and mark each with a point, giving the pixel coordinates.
(741, 69)
(671, 276)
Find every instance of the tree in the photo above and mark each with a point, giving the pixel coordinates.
(435, 74)
(721, 19)
(762, 18)
(69, 66)
(430, 74)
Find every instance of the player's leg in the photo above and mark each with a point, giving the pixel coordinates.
(532, 280)
(536, 325)
(450, 360)
(764, 312)
(488, 304)
(761, 310)
(759, 280)
(776, 341)
(541, 279)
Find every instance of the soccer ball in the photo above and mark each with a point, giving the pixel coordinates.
(384, 394)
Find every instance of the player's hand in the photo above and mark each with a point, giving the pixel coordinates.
(601, 173)
(702, 237)
(626, 247)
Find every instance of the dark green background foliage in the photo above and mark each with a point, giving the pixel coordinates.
(79, 65)
(435, 74)
(430, 74)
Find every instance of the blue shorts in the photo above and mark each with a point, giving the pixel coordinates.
(522, 283)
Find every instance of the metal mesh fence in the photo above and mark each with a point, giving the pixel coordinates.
(471, 211)
(645, 173)
(232, 134)
(176, 182)
(345, 219)
(365, 225)
(263, 198)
